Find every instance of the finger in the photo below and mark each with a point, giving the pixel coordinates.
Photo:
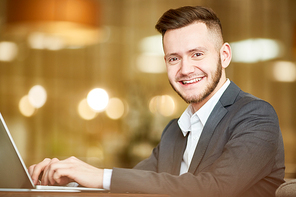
(61, 176)
(56, 172)
(80, 172)
(47, 171)
(31, 169)
(37, 169)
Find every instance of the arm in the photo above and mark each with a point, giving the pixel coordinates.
(248, 156)
(65, 171)
(62, 172)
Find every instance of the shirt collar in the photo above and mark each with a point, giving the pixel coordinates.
(203, 113)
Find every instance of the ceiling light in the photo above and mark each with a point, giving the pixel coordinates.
(75, 22)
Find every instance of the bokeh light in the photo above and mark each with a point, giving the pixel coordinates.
(98, 99)
(37, 96)
(8, 51)
(142, 150)
(25, 106)
(255, 50)
(85, 111)
(284, 71)
(151, 58)
(164, 105)
(115, 108)
(95, 155)
(38, 40)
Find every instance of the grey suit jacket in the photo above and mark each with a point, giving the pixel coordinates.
(240, 153)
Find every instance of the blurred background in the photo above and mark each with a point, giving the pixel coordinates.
(87, 77)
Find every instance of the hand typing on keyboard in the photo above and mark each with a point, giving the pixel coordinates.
(62, 172)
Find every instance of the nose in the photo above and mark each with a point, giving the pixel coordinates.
(186, 67)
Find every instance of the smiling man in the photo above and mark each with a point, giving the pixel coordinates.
(226, 143)
(194, 63)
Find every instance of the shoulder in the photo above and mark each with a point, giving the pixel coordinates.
(234, 99)
(249, 103)
(246, 111)
(172, 126)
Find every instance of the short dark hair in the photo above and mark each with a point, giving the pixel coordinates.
(183, 16)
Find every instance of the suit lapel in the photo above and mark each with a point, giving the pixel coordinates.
(179, 149)
(207, 132)
(174, 148)
(216, 116)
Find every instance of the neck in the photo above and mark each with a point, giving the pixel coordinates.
(198, 105)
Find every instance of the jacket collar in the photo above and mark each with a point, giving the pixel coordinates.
(219, 111)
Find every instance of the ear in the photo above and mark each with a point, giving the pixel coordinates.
(225, 54)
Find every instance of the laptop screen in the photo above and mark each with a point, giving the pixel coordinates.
(13, 172)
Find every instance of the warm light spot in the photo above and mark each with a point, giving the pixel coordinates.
(151, 58)
(95, 155)
(8, 51)
(151, 63)
(85, 111)
(255, 50)
(153, 104)
(142, 150)
(98, 99)
(115, 108)
(59, 35)
(38, 40)
(164, 105)
(25, 107)
(54, 43)
(284, 71)
(152, 44)
(37, 96)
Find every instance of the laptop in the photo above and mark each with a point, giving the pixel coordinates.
(14, 175)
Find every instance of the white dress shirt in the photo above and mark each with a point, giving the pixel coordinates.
(194, 123)
(188, 122)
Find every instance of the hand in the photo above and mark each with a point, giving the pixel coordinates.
(36, 170)
(66, 171)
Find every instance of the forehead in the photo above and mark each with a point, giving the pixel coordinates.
(186, 38)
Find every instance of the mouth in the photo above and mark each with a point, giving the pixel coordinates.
(191, 81)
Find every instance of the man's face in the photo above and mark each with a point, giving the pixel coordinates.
(193, 62)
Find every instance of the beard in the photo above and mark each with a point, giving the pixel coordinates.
(208, 89)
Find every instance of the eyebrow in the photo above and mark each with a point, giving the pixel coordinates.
(198, 49)
(189, 51)
(170, 54)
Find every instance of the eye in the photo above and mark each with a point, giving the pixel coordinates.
(197, 54)
(173, 59)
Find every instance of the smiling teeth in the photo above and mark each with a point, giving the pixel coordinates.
(192, 81)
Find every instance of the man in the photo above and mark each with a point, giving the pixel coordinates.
(226, 143)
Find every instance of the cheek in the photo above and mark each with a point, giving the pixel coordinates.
(170, 76)
(172, 72)
(212, 66)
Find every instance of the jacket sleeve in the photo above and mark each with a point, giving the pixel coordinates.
(249, 156)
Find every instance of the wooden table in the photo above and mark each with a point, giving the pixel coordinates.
(74, 194)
